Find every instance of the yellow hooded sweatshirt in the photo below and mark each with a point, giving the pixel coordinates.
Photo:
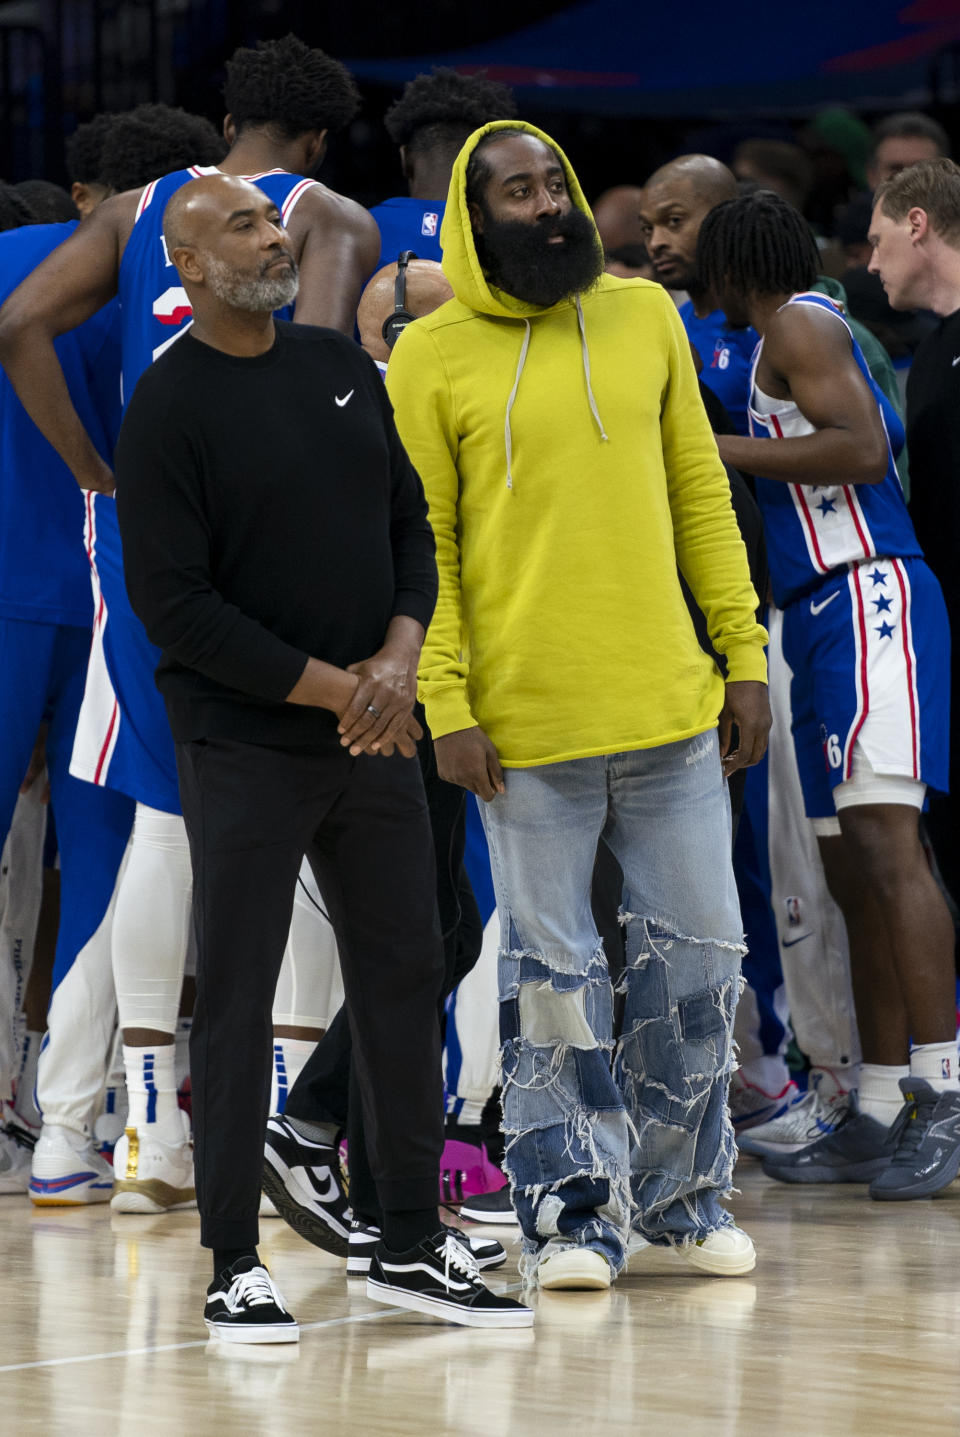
(569, 468)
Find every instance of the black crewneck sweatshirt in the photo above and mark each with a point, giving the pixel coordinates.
(933, 440)
(269, 514)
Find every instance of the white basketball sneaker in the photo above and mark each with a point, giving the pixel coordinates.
(67, 1170)
(151, 1175)
(14, 1161)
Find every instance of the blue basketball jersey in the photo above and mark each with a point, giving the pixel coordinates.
(44, 575)
(405, 223)
(726, 355)
(814, 530)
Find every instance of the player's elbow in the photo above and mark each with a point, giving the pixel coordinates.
(872, 458)
(13, 324)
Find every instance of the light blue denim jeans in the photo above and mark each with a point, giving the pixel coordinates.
(602, 1137)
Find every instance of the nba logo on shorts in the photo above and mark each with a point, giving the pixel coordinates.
(428, 225)
(945, 1067)
(794, 918)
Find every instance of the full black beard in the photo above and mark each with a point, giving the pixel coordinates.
(517, 257)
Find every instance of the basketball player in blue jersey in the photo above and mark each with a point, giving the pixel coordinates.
(676, 198)
(429, 123)
(866, 636)
(283, 99)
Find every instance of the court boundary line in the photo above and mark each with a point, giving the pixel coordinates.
(185, 1346)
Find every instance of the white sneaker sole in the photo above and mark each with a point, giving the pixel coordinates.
(446, 1311)
(78, 1195)
(716, 1265)
(489, 1219)
(578, 1272)
(249, 1334)
(150, 1196)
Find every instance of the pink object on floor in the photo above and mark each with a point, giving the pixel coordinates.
(465, 1171)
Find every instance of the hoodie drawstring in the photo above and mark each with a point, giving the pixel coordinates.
(585, 352)
(586, 371)
(507, 435)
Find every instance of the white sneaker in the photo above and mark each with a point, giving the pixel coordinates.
(574, 1267)
(811, 1116)
(14, 1162)
(750, 1105)
(728, 1252)
(66, 1170)
(151, 1175)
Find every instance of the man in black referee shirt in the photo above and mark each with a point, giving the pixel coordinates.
(915, 234)
(277, 549)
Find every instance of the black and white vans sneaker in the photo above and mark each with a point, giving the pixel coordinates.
(305, 1184)
(491, 1208)
(364, 1236)
(439, 1277)
(244, 1305)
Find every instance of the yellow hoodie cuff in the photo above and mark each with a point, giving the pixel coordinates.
(447, 709)
(747, 662)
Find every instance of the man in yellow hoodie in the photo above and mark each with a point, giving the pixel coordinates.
(553, 414)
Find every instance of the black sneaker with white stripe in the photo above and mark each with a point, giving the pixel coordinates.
(244, 1305)
(440, 1278)
(494, 1209)
(364, 1236)
(303, 1180)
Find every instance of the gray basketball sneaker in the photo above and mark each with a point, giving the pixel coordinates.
(927, 1132)
(856, 1152)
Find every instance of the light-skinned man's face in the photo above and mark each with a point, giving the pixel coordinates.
(531, 239)
(894, 154)
(672, 215)
(896, 256)
(239, 248)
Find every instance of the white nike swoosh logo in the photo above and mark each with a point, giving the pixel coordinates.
(955, 361)
(816, 608)
(345, 400)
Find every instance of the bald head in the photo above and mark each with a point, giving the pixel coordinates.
(427, 288)
(227, 240)
(706, 179)
(617, 216)
(675, 200)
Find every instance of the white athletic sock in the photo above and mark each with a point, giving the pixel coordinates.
(831, 1082)
(152, 1091)
(25, 1103)
(937, 1064)
(880, 1096)
(289, 1057)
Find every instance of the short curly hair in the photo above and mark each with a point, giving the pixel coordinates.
(441, 110)
(153, 140)
(84, 150)
(14, 210)
(285, 86)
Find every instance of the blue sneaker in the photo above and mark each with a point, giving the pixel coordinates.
(855, 1152)
(927, 1137)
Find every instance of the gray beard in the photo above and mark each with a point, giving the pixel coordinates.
(260, 295)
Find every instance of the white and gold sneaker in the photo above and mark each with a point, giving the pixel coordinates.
(151, 1175)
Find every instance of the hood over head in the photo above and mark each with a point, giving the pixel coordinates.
(461, 264)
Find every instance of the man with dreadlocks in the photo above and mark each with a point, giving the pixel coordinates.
(429, 123)
(866, 635)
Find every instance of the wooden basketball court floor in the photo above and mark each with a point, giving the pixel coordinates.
(849, 1325)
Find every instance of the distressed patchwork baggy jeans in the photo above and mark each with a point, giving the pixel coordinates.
(602, 1137)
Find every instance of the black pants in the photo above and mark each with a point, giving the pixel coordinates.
(251, 813)
(325, 1091)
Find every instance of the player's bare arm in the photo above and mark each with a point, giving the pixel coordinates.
(71, 285)
(337, 245)
(807, 357)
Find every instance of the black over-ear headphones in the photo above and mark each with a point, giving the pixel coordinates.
(397, 322)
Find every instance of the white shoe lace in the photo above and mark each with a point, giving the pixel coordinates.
(458, 1257)
(253, 1289)
(799, 1122)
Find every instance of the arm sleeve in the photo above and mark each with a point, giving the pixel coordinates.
(166, 538)
(426, 420)
(710, 551)
(411, 537)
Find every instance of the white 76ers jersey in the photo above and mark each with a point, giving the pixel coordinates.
(813, 530)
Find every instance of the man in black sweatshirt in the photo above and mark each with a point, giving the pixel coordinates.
(277, 550)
